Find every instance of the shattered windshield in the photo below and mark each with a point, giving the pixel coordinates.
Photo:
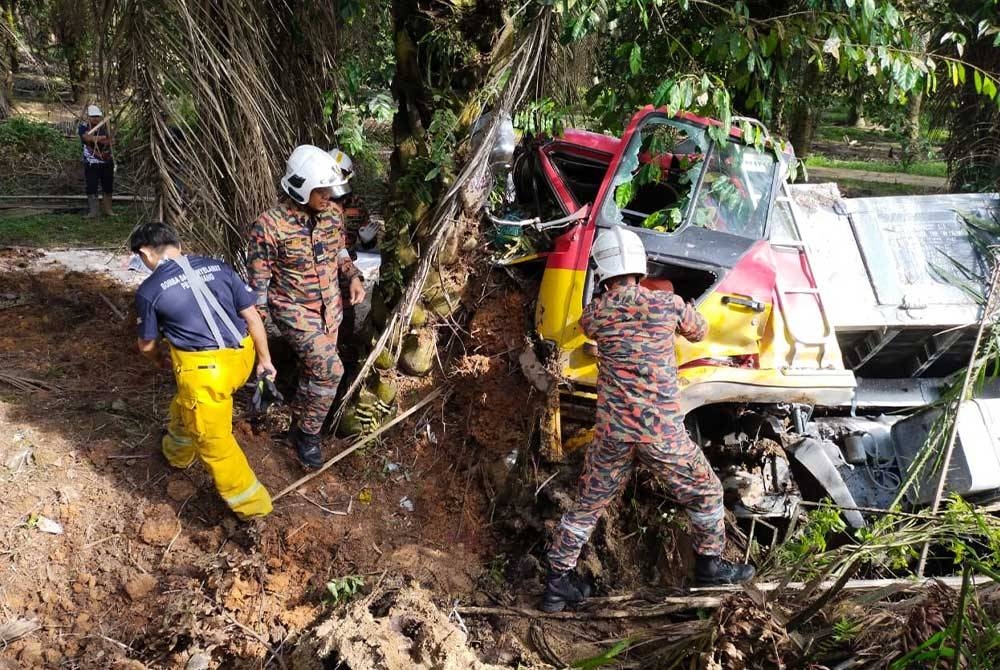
(654, 185)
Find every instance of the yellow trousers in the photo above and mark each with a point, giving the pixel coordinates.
(201, 424)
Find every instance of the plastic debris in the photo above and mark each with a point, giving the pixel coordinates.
(19, 459)
(406, 504)
(45, 524)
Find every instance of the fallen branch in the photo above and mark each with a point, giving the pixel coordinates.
(668, 606)
(27, 384)
(16, 629)
(818, 604)
(107, 301)
(357, 445)
(325, 509)
(249, 631)
(521, 71)
(851, 585)
(35, 196)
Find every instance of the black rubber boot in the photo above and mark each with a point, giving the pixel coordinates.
(308, 448)
(715, 571)
(564, 588)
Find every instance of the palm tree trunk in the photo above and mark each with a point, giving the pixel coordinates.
(431, 78)
(973, 148)
(805, 115)
(8, 59)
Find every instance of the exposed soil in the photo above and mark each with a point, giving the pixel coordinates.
(151, 568)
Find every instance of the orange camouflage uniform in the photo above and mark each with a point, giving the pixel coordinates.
(639, 419)
(295, 259)
(355, 217)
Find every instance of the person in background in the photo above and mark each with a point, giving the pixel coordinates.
(639, 420)
(358, 226)
(209, 319)
(296, 256)
(98, 164)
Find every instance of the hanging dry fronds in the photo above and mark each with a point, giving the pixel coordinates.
(514, 76)
(221, 93)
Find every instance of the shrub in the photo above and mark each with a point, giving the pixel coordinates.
(23, 135)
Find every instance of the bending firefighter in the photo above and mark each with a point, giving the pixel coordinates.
(638, 419)
(297, 253)
(207, 315)
(359, 230)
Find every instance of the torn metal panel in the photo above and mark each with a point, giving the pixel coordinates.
(822, 463)
(975, 465)
(875, 257)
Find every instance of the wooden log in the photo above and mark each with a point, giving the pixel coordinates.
(357, 445)
(852, 585)
(665, 607)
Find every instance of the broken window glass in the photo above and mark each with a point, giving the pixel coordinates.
(735, 193)
(651, 188)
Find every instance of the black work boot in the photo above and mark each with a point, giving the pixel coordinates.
(564, 588)
(715, 570)
(308, 448)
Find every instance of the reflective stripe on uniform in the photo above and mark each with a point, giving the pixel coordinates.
(707, 518)
(248, 493)
(185, 441)
(317, 389)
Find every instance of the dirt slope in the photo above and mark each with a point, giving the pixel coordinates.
(151, 570)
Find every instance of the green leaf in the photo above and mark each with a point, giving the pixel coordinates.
(432, 174)
(977, 77)
(769, 43)
(606, 658)
(624, 194)
(661, 92)
(635, 59)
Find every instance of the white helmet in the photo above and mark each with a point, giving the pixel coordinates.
(94, 110)
(616, 252)
(309, 168)
(346, 166)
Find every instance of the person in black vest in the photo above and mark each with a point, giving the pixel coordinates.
(98, 164)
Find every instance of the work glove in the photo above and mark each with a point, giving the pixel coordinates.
(265, 394)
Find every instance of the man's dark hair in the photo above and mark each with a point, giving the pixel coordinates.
(155, 235)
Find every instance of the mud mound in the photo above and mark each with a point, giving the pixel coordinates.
(398, 631)
(500, 323)
(488, 380)
(449, 573)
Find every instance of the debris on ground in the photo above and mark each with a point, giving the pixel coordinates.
(391, 630)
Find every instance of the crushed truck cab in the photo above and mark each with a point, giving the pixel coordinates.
(818, 306)
(704, 210)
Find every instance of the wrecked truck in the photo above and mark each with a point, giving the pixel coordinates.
(833, 325)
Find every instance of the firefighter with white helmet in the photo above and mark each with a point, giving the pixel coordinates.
(361, 232)
(639, 420)
(298, 253)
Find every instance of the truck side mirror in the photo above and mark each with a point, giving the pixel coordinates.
(503, 146)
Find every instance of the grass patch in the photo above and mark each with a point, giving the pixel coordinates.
(856, 188)
(922, 168)
(833, 133)
(66, 230)
(20, 134)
